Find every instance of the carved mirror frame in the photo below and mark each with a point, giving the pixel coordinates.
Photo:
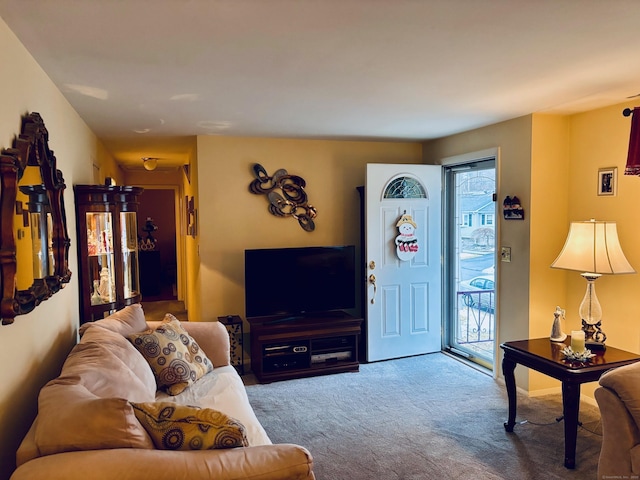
(31, 149)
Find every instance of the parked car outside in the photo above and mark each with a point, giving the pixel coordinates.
(482, 283)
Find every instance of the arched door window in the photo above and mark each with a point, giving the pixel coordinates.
(405, 187)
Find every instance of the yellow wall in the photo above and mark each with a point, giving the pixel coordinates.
(233, 219)
(33, 348)
(549, 225)
(566, 155)
(600, 138)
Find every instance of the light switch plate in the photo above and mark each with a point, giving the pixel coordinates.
(505, 254)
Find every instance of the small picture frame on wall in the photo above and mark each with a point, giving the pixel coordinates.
(607, 181)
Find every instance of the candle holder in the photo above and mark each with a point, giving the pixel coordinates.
(577, 340)
(583, 356)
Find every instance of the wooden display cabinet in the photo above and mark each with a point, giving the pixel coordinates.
(106, 220)
(284, 348)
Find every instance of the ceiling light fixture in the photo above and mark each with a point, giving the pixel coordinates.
(149, 163)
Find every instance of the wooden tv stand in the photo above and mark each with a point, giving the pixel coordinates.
(284, 347)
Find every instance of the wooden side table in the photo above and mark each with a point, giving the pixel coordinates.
(544, 356)
(235, 328)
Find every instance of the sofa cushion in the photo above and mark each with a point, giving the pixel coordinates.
(125, 322)
(625, 381)
(224, 391)
(71, 418)
(179, 427)
(109, 366)
(174, 356)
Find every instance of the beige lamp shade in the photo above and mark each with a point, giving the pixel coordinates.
(593, 247)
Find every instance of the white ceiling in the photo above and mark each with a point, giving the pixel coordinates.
(147, 74)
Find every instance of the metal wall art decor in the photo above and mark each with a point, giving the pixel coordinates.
(293, 200)
(406, 242)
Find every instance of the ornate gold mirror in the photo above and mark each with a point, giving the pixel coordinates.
(34, 243)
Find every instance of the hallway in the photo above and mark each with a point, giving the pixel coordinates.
(155, 311)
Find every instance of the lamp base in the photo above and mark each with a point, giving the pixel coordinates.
(594, 345)
(594, 337)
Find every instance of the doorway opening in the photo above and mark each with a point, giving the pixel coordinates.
(470, 260)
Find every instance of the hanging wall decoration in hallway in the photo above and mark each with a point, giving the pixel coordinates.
(286, 195)
(192, 216)
(406, 242)
(148, 243)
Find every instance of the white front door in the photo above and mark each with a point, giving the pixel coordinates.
(403, 254)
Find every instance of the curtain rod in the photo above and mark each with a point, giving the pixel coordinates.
(627, 112)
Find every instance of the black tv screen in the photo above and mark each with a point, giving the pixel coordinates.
(297, 281)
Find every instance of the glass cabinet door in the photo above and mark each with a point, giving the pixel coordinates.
(129, 242)
(101, 258)
(107, 248)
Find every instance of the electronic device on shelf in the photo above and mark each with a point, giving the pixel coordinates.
(309, 345)
(331, 357)
(292, 282)
(274, 350)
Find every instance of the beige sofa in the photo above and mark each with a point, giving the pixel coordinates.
(618, 397)
(86, 426)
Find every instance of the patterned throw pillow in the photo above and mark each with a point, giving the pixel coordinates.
(179, 427)
(174, 356)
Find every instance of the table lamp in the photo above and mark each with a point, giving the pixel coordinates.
(592, 247)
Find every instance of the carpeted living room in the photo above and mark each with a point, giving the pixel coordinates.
(405, 138)
(422, 417)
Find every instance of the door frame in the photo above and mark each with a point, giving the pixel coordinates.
(460, 160)
(180, 222)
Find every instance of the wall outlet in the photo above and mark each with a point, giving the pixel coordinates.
(505, 254)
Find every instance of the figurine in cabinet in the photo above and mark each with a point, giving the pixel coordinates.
(106, 288)
(95, 296)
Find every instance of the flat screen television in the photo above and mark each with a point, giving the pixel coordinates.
(299, 281)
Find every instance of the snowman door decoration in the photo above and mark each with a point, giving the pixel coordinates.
(406, 242)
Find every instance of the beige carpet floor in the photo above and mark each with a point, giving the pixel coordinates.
(423, 417)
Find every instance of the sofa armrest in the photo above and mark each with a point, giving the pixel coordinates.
(212, 337)
(267, 462)
(620, 435)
